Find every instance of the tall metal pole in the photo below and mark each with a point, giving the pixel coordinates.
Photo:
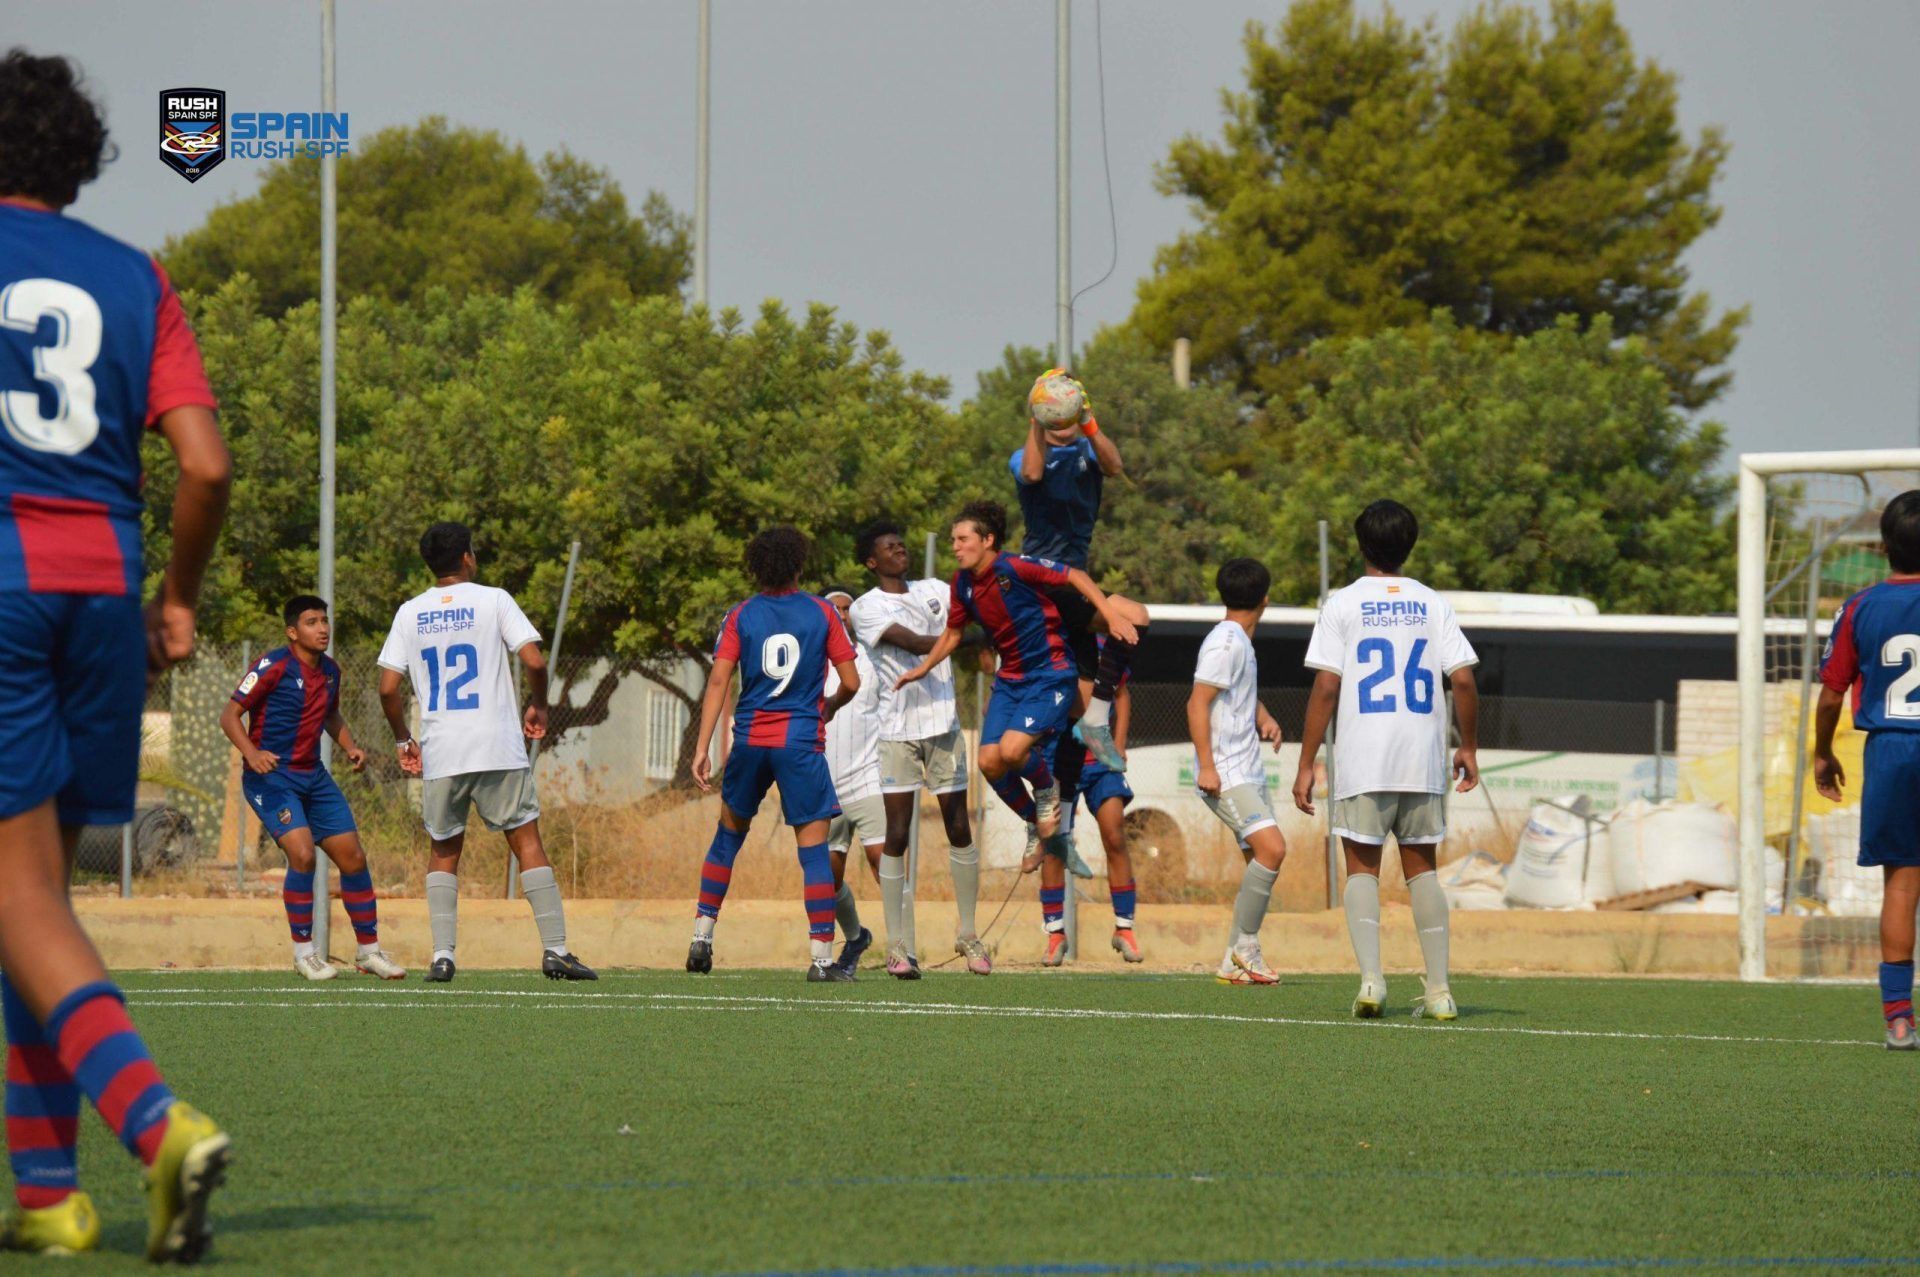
(913, 828)
(553, 666)
(1333, 839)
(1062, 193)
(702, 137)
(1809, 665)
(329, 301)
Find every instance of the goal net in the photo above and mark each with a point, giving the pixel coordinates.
(1809, 537)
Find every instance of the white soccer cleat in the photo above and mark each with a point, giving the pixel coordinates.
(379, 964)
(1245, 964)
(1046, 811)
(314, 967)
(1371, 1000)
(1436, 1005)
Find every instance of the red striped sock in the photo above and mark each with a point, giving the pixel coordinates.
(98, 1045)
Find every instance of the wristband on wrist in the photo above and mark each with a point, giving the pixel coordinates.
(1089, 427)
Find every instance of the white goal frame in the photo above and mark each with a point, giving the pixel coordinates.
(1755, 468)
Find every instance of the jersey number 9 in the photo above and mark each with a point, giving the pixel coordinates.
(780, 658)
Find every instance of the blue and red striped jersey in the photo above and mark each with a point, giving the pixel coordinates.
(1874, 648)
(93, 349)
(288, 705)
(783, 644)
(1011, 603)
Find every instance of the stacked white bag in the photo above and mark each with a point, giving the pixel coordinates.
(1560, 862)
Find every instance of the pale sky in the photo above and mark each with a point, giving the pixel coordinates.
(895, 157)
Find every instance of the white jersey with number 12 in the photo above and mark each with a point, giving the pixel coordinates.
(454, 643)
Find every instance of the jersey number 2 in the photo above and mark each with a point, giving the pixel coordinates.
(463, 663)
(1902, 649)
(63, 366)
(1418, 679)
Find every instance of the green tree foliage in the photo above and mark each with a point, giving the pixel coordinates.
(1554, 464)
(435, 206)
(1509, 173)
(663, 439)
(1181, 508)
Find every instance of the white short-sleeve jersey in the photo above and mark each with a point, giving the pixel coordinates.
(853, 737)
(1227, 662)
(922, 710)
(455, 643)
(1393, 642)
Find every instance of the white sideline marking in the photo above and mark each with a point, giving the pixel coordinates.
(190, 997)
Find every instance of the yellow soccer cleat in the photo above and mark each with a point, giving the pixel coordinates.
(192, 1162)
(1371, 1000)
(67, 1229)
(1438, 1004)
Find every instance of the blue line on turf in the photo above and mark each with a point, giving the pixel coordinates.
(1427, 1263)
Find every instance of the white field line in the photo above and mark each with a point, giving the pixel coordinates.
(494, 1000)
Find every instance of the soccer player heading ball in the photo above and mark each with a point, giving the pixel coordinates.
(1060, 474)
(1381, 647)
(1874, 649)
(94, 349)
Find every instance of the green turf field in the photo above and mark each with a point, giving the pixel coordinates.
(1029, 1124)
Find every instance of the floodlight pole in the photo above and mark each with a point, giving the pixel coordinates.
(702, 138)
(1062, 188)
(329, 301)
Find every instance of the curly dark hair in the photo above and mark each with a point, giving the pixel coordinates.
(777, 556)
(988, 517)
(52, 135)
(864, 540)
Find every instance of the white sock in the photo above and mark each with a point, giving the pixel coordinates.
(443, 953)
(365, 949)
(543, 897)
(822, 951)
(302, 949)
(1097, 713)
(703, 928)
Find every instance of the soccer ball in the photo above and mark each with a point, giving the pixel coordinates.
(1057, 401)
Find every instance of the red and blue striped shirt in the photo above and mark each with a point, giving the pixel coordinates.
(783, 644)
(1010, 601)
(288, 704)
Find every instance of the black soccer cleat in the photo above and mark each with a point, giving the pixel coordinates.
(700, 957)
(564, 966)
(828, 973)
(853, 950)
(441, 972)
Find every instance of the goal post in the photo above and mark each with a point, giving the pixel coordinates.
(1757, 532)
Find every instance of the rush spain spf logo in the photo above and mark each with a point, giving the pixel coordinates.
(193, 131)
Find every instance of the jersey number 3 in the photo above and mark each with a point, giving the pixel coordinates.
(1418, 680)
(62, 366)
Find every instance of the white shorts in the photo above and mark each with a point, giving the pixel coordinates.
(937, 762)
(864, 820)
(1413, 819)
(1245, 808)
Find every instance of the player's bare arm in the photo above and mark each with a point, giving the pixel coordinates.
(343, 737)
(1033, 457)
(1321, 702)
(719, 683)
(943, 647)
(1466, 716)
(1829, 777)
(1200, 730)
(258, 761)
(533, 721)
(1120, 614)
(1106, 453)
(394, 706)
(849, 688)
(199, 506)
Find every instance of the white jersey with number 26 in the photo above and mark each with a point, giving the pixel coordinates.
(1393, 642)
(455, 643)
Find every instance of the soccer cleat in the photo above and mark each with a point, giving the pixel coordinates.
(66, 1228)
(828, 973)
(379, 964)
(1900, 1034)
(314, 967)
(1126, 946)
(700, 956)
(1046, 811)
(974, 950)
(1062, 845)
(1035, 852)
(1437, 1006)
(1056, 954)
(564, 966)
(1099, 743)
(853, 950)
(441, 972)
(902, 965)
(1371, 999)
(190, 1164)
(1246, 966)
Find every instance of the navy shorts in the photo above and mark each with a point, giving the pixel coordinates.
(286, 800)
(806, 790)
(1890, 800)
(1034, 707)
(73, 683)
(1099, 783)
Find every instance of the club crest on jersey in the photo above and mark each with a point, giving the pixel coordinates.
(284, 815)
(193, 131)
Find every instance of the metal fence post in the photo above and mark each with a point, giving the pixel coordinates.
(1659, 751)
(1333, 839)
(240, 824)
(126, 861)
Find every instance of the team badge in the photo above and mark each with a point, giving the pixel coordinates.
(284, 816)
(248, 683)
(193, 130)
